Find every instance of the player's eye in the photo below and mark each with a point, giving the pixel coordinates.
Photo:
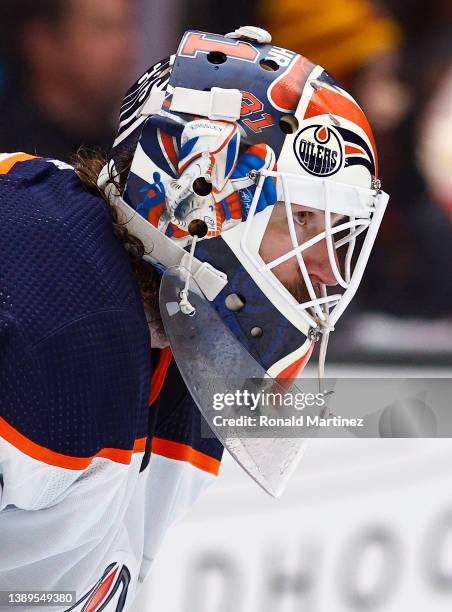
(301, 217)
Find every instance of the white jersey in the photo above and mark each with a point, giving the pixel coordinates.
(94, 531)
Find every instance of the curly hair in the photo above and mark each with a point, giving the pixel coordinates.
(88, 164)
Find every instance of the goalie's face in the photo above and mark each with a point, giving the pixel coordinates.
(308, 223)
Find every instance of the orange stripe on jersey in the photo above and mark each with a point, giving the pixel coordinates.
(184, 452)
(158, 377)
(7, 164)
(339, 105)
(40, 453)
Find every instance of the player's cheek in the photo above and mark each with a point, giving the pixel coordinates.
(287, 272)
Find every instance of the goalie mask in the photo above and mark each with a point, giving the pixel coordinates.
(253, 174)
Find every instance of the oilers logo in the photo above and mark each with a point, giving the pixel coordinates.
(318, 149)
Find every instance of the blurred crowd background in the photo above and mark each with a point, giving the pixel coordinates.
(65, 64)
(64, 67)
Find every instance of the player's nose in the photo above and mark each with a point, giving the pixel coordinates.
(318, 264)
